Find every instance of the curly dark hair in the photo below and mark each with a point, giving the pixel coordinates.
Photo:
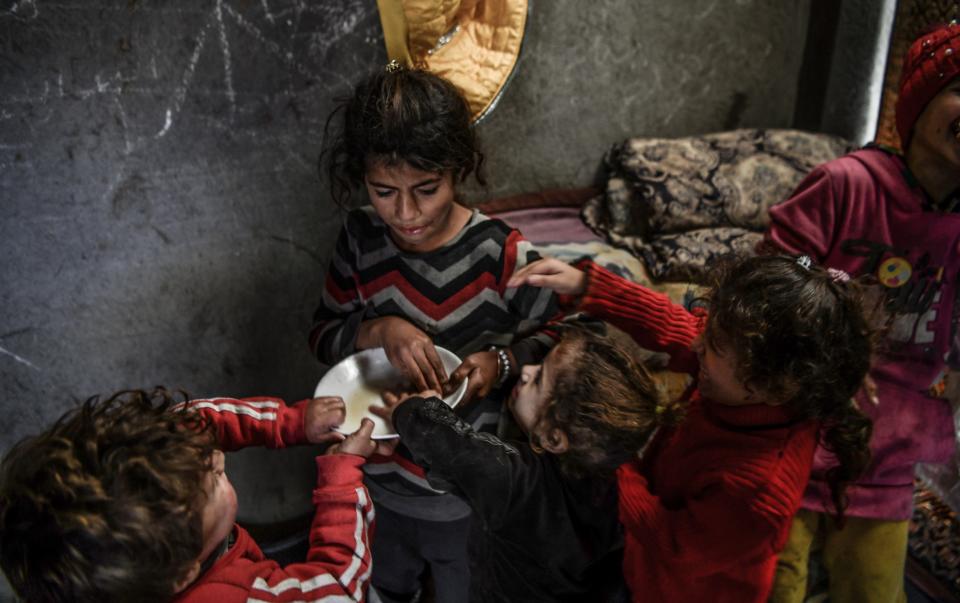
(802, 337)
(106, 505)
(408, 115)
(606, 402)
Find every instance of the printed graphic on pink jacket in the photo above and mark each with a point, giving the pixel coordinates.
(863, 214)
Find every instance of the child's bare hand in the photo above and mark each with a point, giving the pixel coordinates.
(362, 444)
(391, 400)
(412, 351)
(480, 368)
(552, 274)
(321, 416)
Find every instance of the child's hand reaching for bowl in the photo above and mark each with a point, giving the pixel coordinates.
(481, 370)
(361, 443)
(407, 347)
(391, 400)
(321, 416)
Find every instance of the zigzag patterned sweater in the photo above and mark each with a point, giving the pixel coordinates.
(456, 294)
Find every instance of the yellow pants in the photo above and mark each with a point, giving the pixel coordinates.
(864, 560)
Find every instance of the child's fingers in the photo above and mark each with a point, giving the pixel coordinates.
(381, 411)
(438, 369)
(328, 403)
(544, 266)
(386, 447)
(359, 442)
(551, 274)
(458, 375)
(412, 370)
(474, 384)
(430, 378)
(365, 431)
(320, 416)
(330, 436)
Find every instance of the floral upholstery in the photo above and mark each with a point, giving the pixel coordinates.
(681, 203)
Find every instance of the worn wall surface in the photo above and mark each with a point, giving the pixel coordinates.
(161, 221)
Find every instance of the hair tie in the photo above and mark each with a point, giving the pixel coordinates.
(805, 261)
(393, 66)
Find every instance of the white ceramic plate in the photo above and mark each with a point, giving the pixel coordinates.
(359, 379)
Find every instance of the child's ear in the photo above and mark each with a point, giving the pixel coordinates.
(555, 441)
(180, 585)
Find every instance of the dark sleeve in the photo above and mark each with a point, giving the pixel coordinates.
(538, 308)
(487, 472)
(336, 321)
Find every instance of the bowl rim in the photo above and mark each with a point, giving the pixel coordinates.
(458, 393)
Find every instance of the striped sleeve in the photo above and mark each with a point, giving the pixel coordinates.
(253, 421)
(537, 307)
(338, 564)
(336, 320)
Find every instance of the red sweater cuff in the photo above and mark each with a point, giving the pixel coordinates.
(637, 504)
(292, 429)
(651, 318)
(339, 470)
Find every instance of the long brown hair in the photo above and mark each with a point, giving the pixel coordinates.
(802, 336)
(106, 504)
(606, 402)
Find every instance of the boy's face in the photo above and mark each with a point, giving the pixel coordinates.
(220, 511)
(417, 206)
(718, 380)
(937, 129)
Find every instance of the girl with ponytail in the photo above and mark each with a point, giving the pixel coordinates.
(778, 349)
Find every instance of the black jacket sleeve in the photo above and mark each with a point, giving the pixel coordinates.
(487, 472)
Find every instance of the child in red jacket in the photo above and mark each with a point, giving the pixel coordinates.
(127, 500)
(776, 358)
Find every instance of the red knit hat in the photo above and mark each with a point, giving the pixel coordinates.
(931, 63)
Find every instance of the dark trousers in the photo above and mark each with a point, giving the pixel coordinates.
(404, 548)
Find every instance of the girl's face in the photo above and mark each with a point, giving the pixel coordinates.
(417, 206)
(531, 394)
(938, 128)
(718, 380)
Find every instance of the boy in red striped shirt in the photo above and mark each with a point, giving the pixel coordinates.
(127, 500)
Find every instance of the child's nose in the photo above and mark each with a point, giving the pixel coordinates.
(406, 208)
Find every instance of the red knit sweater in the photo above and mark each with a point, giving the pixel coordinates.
(709, 507)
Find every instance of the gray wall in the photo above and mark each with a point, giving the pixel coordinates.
(162, 221)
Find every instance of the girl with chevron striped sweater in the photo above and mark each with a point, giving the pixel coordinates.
(416, 269)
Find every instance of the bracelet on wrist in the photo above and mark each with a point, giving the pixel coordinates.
(504, 366)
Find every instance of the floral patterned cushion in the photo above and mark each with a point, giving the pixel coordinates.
(664, 196)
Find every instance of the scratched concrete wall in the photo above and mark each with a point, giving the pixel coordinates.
(161, 217)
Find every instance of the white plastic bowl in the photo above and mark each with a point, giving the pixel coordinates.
(359, 379)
